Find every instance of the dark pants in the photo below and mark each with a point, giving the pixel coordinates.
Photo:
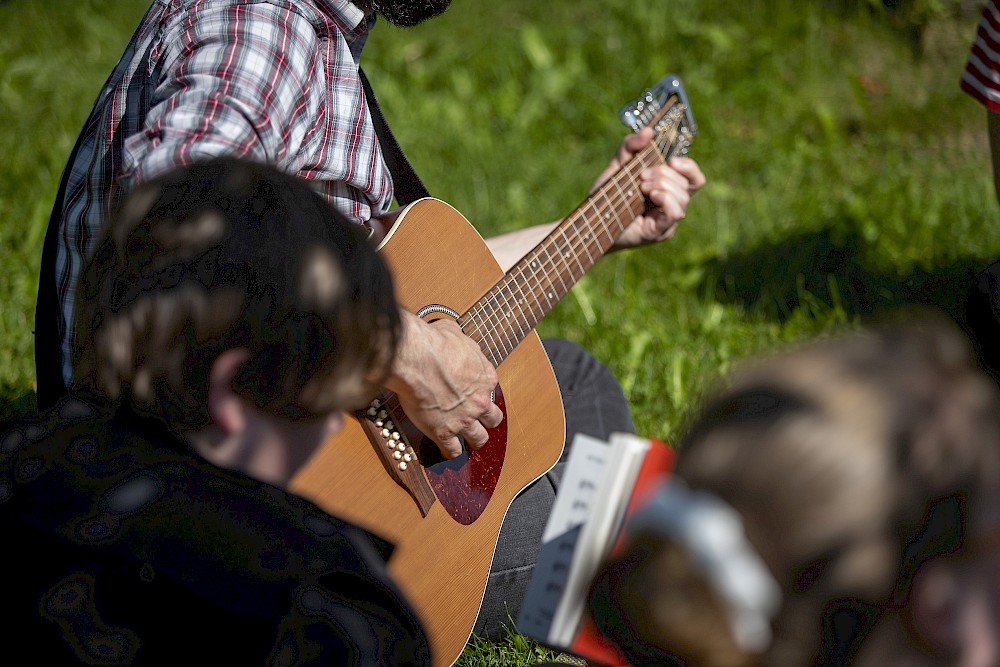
(594, 404)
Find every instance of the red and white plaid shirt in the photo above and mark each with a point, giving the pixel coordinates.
(981, 78)
(267, 80)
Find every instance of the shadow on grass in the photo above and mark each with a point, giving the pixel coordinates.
(824, 269)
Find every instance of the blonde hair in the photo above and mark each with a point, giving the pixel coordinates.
(850, 462)
(227, 254)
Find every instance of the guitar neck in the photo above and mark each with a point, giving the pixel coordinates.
(533, 286)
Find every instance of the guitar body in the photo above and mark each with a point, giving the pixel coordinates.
(443, 553)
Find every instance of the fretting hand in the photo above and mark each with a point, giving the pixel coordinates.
(668, 188)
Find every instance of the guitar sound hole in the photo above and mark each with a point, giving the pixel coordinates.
(431, 455)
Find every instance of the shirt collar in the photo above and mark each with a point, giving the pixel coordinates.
(347, 13)
(354, 21)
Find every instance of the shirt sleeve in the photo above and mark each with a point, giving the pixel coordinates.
(234, 81)
(981, 78)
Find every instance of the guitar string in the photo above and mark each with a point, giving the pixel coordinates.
(601, 208)
(553, 256)
(528, 271)
(562, 267)
(490, 299)
(665, 143)
(603, 213)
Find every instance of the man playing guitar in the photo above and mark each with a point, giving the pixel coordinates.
(279, 83)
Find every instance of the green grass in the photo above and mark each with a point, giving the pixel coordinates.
(847, 176)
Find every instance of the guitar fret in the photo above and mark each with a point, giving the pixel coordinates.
(496, 346)
(575, 254)
(487, 340)
(477, 334)
(540, 290)
(508, 313)
(560, 248)
(499, 316)
(545, 293)
(520, 321)
(585, 243)
(510, 344)
(565, 290)
(495, 310)
(596, 217)
(524, 300)
(620, 210)
(580, 243)
(495, 334)
(607, 215)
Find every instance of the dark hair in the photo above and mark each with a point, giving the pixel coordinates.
(229, 254)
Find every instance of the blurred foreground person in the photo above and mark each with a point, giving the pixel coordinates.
(229, 317)
(835, 505)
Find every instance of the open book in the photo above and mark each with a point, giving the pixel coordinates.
(603, 483)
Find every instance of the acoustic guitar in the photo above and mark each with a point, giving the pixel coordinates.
(381, 473)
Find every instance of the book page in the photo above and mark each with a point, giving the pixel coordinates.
(584, 473)
(585, 518)
(606, 511)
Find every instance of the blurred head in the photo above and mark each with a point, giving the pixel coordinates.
(232, 257)
(862, 473)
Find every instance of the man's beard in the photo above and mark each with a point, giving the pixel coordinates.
(404, 13)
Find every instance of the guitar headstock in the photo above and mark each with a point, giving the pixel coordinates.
(665, 108)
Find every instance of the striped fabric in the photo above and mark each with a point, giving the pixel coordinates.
(981, 78)
(266, 80)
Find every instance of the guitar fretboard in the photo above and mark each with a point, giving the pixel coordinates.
(531, 288)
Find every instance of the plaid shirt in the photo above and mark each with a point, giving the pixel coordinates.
(267, 80)
(981, 78)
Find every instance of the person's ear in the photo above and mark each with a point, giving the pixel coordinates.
(226, 408)
(935, 607)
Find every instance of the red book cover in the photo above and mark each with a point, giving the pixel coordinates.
(656, 466)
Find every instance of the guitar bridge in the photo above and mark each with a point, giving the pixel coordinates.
(381, 424)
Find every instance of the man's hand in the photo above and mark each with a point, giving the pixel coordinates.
(668, 187)
(444, 383)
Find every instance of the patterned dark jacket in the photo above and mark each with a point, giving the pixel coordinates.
(121, 546)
